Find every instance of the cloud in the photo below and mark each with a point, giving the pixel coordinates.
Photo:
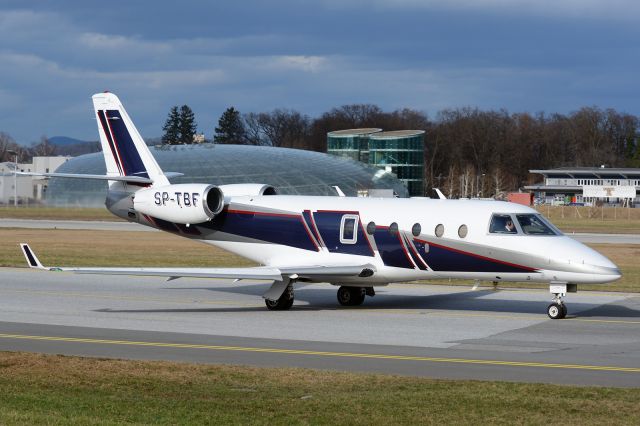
(302, 63)
(593, 9)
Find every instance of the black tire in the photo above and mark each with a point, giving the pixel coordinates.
(284, 303)
(351, 296)
(358, 295)
(564, 311)
(555, 311)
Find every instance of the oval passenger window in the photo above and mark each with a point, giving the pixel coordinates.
(439, 230)
(371, 228)
(462, 231)
(393, 228)
(416, 230)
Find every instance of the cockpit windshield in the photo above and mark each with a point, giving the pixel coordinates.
(502, 224)
(535, 224)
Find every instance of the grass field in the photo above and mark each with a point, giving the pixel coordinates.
(102, 248)
(46, 389)
(614, 220)
(57, 213)
(109, 248)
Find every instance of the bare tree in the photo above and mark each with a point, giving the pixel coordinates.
(43, 149)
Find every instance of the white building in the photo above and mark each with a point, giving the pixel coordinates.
(29, 188)
(587, 185)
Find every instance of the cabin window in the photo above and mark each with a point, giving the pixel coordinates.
(462, 231)
(416, 230)
(371, 228)
(348, 229)
(533, 224)
(393, 228)
(439, 230)
(502, 224)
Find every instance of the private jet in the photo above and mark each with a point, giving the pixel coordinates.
(354, 243)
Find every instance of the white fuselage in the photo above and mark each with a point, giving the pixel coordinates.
(281, 231)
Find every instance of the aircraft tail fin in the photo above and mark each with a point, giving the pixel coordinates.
(125, 152)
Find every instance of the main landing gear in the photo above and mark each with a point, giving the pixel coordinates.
(354, 296)
(283, 303)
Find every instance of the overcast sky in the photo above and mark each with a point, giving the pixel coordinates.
(522, 55)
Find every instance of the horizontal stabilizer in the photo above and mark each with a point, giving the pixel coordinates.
(132, 179)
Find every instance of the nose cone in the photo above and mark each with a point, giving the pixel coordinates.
(575, 256)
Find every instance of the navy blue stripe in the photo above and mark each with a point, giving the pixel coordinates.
(131, 162)
(441, 258)
(277, 229)
(328, 223)
(309, 221)
(105, 129)
(390, 248)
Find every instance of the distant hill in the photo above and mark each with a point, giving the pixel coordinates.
(73, 147)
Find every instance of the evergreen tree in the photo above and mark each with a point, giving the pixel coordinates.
(230, 128)
(172, 128)
(188, 125)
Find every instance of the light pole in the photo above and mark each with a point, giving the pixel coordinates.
(15, 177)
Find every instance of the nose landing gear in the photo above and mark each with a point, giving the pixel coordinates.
(557, 309)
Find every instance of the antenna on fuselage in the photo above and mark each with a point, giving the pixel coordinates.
(440, 194)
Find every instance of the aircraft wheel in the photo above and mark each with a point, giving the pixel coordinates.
(351, 296)
(564, 310)
(284, 303)
(556, 310)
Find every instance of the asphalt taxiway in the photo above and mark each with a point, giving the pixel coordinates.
(408, 329)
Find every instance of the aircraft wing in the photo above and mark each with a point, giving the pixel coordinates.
(256, 273)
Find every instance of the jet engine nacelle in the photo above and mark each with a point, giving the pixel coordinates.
(180, 203)
(242, 189)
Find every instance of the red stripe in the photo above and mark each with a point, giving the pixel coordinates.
(306, 228)
(515, 265)
(413, 249)
(109, 140)
(366, 236)
(315, 227)
(338, 211)
(263, 213)
(115, 142)
(406, 253)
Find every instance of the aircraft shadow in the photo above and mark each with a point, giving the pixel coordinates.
(469, 301)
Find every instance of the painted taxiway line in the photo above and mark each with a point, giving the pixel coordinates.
(323, 353)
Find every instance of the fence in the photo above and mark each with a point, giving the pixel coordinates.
(592, 213)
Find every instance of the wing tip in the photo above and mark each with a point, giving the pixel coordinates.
(32, 259)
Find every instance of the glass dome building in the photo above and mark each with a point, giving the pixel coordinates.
(352, 143)
(400, 152)
(290, 171)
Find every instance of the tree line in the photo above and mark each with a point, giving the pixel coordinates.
(9, 148)
(468, 152)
